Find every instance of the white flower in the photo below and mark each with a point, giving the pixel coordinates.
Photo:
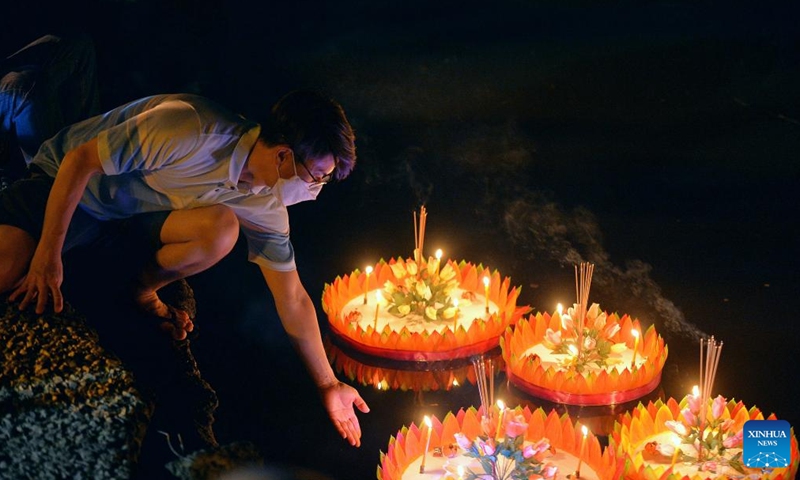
(424, 291)
(677, 427)
(398, 269)
(432, 267)
(552, 338)
(612, 330)
(447, 272)
(412, 268)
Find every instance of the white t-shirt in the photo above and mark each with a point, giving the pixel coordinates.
(172, 152)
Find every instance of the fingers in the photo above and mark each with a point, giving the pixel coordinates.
(361, 404)
(58, 299)
(350, 430)
(40, 294)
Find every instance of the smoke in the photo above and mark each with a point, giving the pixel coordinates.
(483, 173)
(540, 228)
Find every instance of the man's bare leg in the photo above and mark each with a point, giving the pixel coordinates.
(194, 240)
(16, 250)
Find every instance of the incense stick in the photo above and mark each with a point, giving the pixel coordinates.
(491, 382)
(416, 239)
(583, 283)
(708, 374)
(419, 234)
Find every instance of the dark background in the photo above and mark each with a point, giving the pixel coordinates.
(658, 140)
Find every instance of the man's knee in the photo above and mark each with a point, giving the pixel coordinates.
(16, 251)
(219, 228)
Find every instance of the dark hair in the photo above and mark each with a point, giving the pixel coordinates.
(313, 125)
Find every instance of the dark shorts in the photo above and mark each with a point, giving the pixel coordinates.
(22, 205)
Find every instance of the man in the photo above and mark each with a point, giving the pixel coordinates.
(193, 174)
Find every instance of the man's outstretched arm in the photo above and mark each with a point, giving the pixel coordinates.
(45, 273)
(299, 319)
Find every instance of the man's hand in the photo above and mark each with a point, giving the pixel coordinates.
(42, 283)
(339, 399)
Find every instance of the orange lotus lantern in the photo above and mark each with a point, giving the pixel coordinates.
(430, 332)
(565, 439)
(539, 361)
(639, 436)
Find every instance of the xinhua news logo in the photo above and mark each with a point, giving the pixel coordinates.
(767, 444)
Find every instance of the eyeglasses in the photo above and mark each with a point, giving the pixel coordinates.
(327, 178)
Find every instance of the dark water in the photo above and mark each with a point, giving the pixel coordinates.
(658, 141)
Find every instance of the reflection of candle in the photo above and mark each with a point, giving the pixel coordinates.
(427, 444)
(486, 291)
(635, 334)
(677, 442)
(438, 259)
(368, 271)
(378, 299)
(580, 453)
(502, 407)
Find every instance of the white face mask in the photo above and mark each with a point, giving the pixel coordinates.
(295, 189)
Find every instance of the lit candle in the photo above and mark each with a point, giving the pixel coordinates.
(635, 334)
(378, 299)
(486, 291)
(560, 309)
(677, 442)
(427, 444)
(368, 271)
(696, 391)
(502, 407)
(585, 432)
(438, 259)
(460, 472)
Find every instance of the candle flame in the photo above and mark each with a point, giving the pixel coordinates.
(439, 254)
(455, 383)
(460, 470)
(676, 440)
(455, 302)
(695, 391)
(368, 269)
(584, 430)
(378, 296)
(635, 333)
(485, 281)
(560, 309)
(501, 405)
(427, 421)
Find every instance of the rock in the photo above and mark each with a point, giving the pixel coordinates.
(68, 407)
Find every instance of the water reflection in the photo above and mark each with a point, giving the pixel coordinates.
(386, 374)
